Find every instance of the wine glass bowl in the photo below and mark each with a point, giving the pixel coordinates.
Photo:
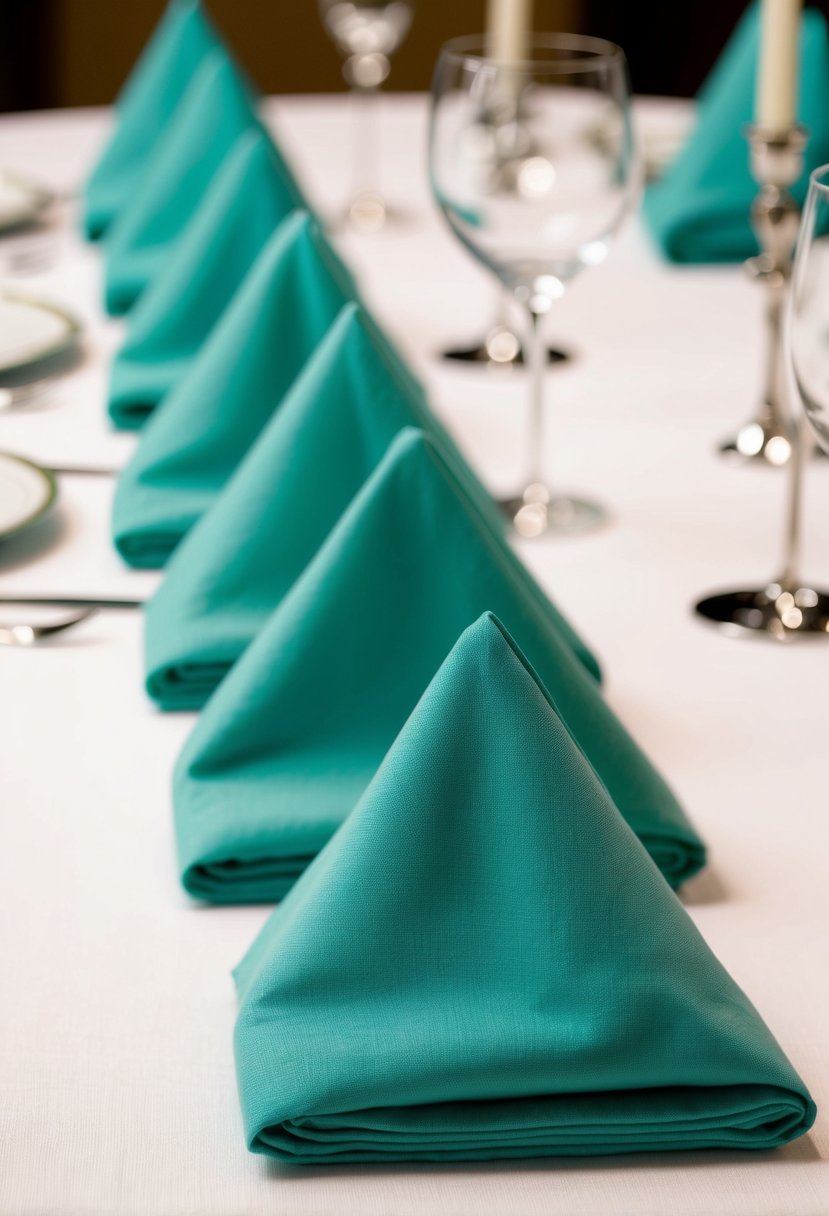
(809, 308)
(367, 29)
(366, 34)
(524, 186)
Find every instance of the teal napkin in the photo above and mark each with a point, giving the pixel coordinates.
(484, 962)
(245, 553)
(212, 115)
(291, 738)
(251, 194)
(700, 211)
(195, 440)
(182, 41)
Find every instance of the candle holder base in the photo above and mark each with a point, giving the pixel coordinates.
(774, 611)
(760, 441)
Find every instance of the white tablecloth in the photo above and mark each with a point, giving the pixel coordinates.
(117, 1089)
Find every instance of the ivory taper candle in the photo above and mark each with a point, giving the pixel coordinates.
(508, 27)
(778, 65)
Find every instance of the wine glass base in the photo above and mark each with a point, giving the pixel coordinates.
(369, 213)
(538, 513)
(772, 611)
(500, 348)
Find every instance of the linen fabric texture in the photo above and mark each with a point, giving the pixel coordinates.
(252, 192)
(700, 211)
(289, 741)
(485, 963)
(216, 109)
(245, 553)
(182, 41)
(195, 440)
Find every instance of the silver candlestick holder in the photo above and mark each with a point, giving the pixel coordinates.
(776, 163)
(785, 607)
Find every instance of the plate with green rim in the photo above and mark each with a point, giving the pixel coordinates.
(26, 493)
(22, 200)
(32, 330)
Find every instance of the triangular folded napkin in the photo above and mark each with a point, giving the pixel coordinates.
(212, 115)
(700, 211)
(291, 738)
(181, 42)
(251, 194)
(198, 435)
(484, 963)
(246, 552)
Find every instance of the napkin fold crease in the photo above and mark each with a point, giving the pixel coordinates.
(700, 211)
(214, 112)
(196, 438)
(252, 193)
(484, 963)
(179, 46)
(292, 736)
(242, 557)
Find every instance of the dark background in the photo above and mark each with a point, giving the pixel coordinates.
(78, 52)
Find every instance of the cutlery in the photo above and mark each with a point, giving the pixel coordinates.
(78, 470)
(30, 635)
(24, 633)
(70, 601)
(13, 398)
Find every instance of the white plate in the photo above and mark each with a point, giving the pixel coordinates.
(26, 492)
(31, 330)
(21, 200)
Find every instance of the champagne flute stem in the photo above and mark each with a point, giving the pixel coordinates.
(536, 360)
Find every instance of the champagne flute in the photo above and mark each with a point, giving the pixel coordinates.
(532, 196)
(367, 33)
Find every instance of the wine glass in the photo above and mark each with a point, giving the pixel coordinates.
(367, 33)
(531, 194)
(809, 307)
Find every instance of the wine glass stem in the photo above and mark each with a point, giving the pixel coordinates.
(794, 501)
(535, 360)
(364, 100)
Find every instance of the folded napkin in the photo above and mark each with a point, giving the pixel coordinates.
(484, 962)
(700, 211)
(212, 115)
(291, 738)
(243, 556)
(251, 194)
(182, 41)
(195, 440)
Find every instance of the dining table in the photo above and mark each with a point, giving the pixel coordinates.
(117, 1081)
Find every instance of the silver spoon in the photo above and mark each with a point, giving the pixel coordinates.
(24, 633)
(30, 635)
(25, 394)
